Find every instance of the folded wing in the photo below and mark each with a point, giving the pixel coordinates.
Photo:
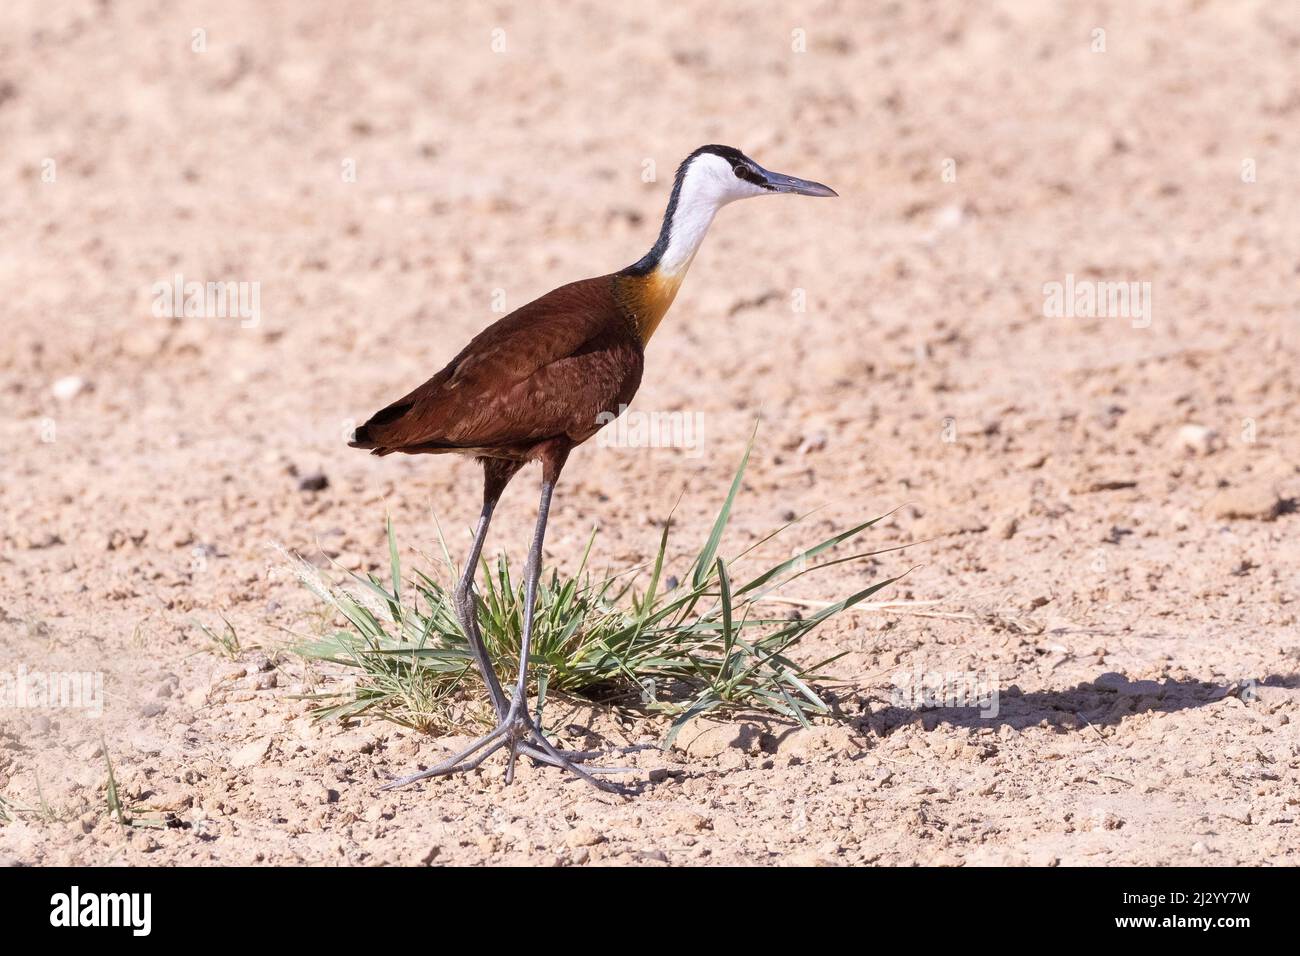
(547, 369)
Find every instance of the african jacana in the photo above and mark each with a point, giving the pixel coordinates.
(542, 380)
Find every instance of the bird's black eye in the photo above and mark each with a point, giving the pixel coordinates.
(750, 175)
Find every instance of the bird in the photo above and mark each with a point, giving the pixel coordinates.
(537, 383)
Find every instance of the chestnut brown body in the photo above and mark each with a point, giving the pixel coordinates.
(538, 381)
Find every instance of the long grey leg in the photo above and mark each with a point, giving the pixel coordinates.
(540, 749)
(467, 613)
(532, 571)
(516, 730)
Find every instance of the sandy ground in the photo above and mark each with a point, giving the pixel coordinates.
(1105, 502)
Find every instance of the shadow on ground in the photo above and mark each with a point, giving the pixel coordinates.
(1098, 703)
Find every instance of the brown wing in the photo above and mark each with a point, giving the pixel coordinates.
(547, 369)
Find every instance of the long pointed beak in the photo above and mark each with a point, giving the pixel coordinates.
(781, 183)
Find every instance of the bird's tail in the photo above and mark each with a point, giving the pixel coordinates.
(361, 438)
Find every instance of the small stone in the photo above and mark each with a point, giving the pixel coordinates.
(1197, 440)
(1119, 684)
(805, 742)
(251, 754)
(172, 797)
(1253, 502)
(583, 836)
(814, 442)
(316, 481)
(687, 821)
(69, 387)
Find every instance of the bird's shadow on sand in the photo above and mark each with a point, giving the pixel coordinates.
(1084, 708)
(1102, 702)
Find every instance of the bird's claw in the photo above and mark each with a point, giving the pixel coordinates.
(517, 732)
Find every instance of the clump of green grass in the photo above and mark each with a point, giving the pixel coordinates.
(114, 802)
(45, 810)
(708, 644)
(117, 810)
(226, 641)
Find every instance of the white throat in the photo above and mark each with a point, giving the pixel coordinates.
(709, 184)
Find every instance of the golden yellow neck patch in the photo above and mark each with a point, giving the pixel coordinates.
(646, 298)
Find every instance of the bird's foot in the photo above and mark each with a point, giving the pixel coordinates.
(521, 736)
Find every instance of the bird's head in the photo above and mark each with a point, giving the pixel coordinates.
(709, 178)
(716, 175)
